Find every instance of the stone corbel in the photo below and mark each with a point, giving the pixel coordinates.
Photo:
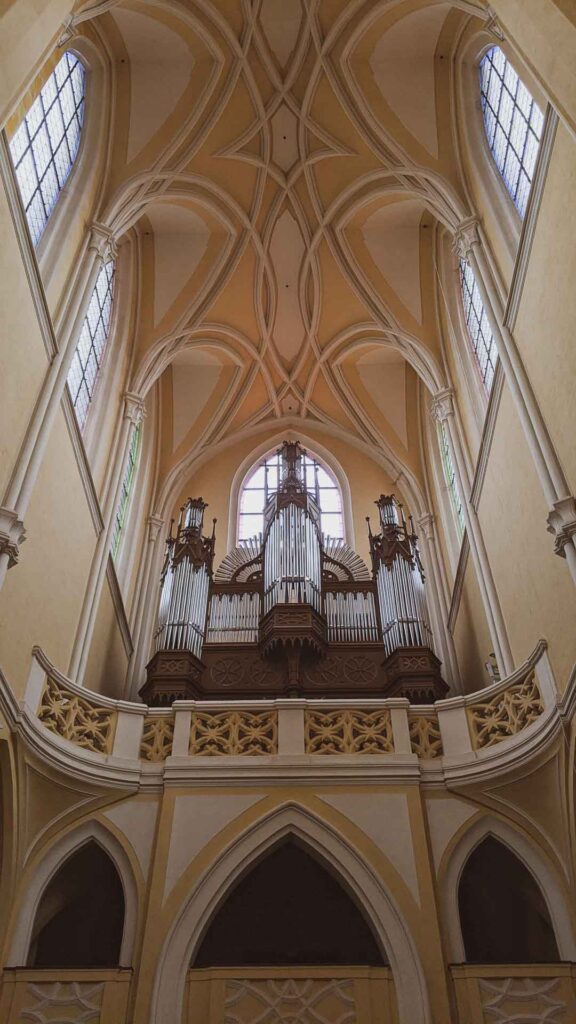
(426, 525)
(562, 523)
(67, 31)
(12, 535)
(134, 408)
(442, 406)
(155, 524)
(465, 236)
(102, 242)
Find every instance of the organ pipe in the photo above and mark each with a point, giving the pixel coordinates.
(185, 582)
(399, 579)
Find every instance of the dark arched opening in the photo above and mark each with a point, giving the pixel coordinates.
(288, 910)
(503, 914)
(80, 917)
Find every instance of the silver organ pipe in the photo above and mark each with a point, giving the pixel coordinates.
(185, 583)
(351, 617)
(234, 618)
(399, 580)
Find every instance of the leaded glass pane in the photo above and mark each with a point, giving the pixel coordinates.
(45, 144)
(263, 482)
(479, 331)
(127, 483)
(91, 343)
(513, 123)
(450, 477)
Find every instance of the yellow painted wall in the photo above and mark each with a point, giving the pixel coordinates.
(471, 634)
(544, 324)
(536, 593)
(42, 596)
(108, 660)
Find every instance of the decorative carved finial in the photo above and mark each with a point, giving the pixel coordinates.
(397, 538)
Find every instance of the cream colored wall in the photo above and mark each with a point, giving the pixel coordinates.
(27, 31)
(471, 635)
(41, 598)
(213, 482)
(23, 357)
(544, 328)
(535, 590)
(108, 659)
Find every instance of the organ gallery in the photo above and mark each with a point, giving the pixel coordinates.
(287, 512)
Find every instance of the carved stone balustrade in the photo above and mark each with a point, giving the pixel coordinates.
(515, 992)
(453, 737)
(42, 996)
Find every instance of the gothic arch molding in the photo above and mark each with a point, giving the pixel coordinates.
(41, 872)
(388, 925)
(537, 863)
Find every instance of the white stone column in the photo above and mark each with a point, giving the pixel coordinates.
(17, 496)
(561, 519)
(437, 599)
(443, 411)
(133, 413)
(147, 588)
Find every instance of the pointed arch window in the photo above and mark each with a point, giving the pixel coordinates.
(450, 477)
(262, 481)
(479, 331)
(89, 352)
(513, 123)
(45, 144)
(127, 485)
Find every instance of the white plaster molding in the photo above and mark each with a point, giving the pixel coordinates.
(466, 235)
(550, 882)
(41, 870)
(458, 584)
(118, 602)
(328, 845)
(487, 435)
(137, 820)
(82, 463)
(27, 252)
(101, 241)
(531, 217)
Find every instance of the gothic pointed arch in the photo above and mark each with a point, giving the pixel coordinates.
(379, 907)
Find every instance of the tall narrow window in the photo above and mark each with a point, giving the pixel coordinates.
(45, 144)
(479, 332)
(450, 477)
(127, 484)
(513, 122)
(263, 481)
(91, 344)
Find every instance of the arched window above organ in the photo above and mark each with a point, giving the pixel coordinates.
(91, 346)
(478, 327)
(513, 123)
(46, 142)
(262, 481)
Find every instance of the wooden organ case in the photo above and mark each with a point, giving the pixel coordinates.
(291, 612)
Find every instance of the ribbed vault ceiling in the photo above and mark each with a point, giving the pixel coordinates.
(284, 164)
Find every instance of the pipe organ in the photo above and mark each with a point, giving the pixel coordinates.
(292, 612)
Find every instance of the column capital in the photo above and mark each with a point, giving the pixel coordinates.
(442, 406)
(562, 523)
(466, 236)
(425, 524)
(134, 408)
(155, 524)
(67, 31)
(12, 535)
(102, 242)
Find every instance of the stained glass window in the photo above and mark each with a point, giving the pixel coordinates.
(92, 343)
(513, 122)
(263, 481)
(127, 484)
(45, 144)
(479, 331)
(450, 477)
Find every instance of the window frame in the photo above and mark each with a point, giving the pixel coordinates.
(268, 456)
(102, 358)
(472, 346)
(122, 512)
(534, 108)
(43, 125)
